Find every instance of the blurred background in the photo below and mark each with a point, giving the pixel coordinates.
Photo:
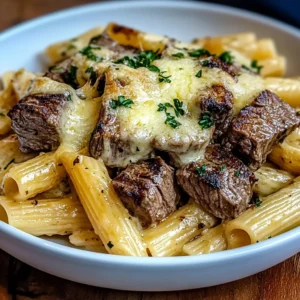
(16, 11)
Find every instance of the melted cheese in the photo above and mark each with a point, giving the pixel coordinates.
(143, 127)
(79, 117)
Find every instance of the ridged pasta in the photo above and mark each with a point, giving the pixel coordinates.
(168, 237)
(277, 213)
(46, 217)
(212, 240)
(26, 180)
(110, 220)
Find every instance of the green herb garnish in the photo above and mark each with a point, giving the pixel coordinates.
(226, 57)
(12, 161)
(256, 201)
(179, 55)
(93, 75)
(170, 120)
(223, 168)
(206, 120)
(122, 101)
(162, 78)
(110, 244)
(201, 170)
(69, 97)
(2, 114)
(254, 65)
(205, 63)
(70, 77)
(154, 68)
(199, 74)
(88, 52)
(178, 107)
(237, 173)
(199, 52)
(144, 59)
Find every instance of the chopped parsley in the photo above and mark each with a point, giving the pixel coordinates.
(226, 57)
(199, 74)
(69, 97)
(162, 78)
(223, 168)
(205, 63)
(178, 107)
(269, 237)
(12, 161)
(179, 55)
(201, 170)
(2, 114)
(88, 52)
(70, 77)
(122, 101)
(206, 120)
(199, 52)
(93, 75)
(110, 244)
(144, 59)
(237, 173)
(254, 65)
(170, 120)
(256, 201)
(154, 68)
(95, 39)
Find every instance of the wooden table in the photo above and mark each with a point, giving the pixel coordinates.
(19, 281)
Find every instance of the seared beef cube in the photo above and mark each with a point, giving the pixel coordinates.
(35, 120)
(259, 127)
(148, 190)
(218, 101)
(220, 183)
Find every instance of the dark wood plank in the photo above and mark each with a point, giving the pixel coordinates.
(21, 282)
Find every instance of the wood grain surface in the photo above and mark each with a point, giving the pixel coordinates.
(21, 282)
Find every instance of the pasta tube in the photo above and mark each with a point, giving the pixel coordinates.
(168, 237)
(213, 240)
(110, 220)
(276, 214)
(270, 180)
(26, 180)
(288, 89)
(87, 239)
(287, 154)
(273, 66)
(5, 122)
(46, 217)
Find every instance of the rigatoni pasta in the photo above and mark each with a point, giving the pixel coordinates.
(168, 238)
(212, 240)
(274, 214)
(110, 220)
(46, 217)
(26, 180)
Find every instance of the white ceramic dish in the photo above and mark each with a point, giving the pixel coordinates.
(22, 45)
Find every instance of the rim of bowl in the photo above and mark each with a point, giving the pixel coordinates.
(223, 256)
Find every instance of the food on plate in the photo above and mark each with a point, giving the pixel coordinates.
(136, 144)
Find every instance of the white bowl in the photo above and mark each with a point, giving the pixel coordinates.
(22, 46)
